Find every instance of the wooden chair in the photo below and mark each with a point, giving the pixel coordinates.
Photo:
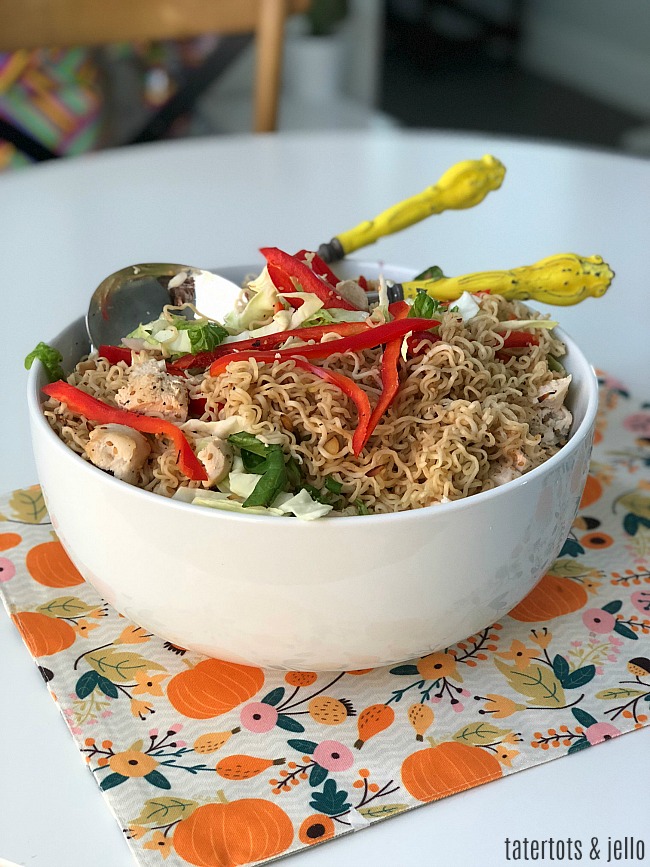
(29, 24)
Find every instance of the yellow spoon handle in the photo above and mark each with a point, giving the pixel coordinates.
(462, 186)
(563, 279)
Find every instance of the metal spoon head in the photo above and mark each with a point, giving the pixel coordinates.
(137, 294)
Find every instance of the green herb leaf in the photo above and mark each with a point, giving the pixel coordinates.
(332, 485)
(204, 336)
(247, 442)
(425, 307)
(272, 482)
(294, 478)
(362, 509)
(433, 272)
(49, 357)
(554, 365)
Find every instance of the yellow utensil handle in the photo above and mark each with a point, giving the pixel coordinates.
(563, 279)
(462, 186)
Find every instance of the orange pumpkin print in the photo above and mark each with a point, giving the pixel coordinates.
(372, 720)
(552, 597)
(447, 768)
(213, 687)
(44, 635)
(592, 492)
(9, 540)
(48, 564)
(213, 835)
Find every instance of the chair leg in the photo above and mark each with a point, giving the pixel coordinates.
(268, 71)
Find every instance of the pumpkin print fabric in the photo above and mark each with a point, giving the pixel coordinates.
(215, 764)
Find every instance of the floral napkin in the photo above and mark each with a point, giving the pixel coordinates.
(211, 763)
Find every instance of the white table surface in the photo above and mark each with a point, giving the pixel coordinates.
(210, 202)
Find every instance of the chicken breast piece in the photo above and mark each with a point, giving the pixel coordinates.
(553, 394)
(153, 391)
(119, 450)
(216, 456)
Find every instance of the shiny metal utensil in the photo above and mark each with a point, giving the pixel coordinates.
(563, 280)
(138, 293)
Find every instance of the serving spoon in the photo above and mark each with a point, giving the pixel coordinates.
(136, 294)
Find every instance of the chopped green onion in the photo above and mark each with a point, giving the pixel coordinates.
(333, 486)
(362, 509)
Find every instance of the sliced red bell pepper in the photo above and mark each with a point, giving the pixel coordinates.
(389, 371)
(520, 338)
(282, 267)
(269, 341)
(354, 343)
(113, 354)
(82, 403)
(322, 269)
(347, 385)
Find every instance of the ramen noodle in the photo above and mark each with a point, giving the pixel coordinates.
(479, 400)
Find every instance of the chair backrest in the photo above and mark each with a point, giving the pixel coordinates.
(29, 24)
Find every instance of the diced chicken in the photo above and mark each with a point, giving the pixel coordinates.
(505, 473)
(118, 449)
(216, 457)
(553, 394)
(352, 292)
(153, 391)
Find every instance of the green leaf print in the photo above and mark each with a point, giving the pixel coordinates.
(157, 779)
(614, 693)
(120, 666)
(331, 801)
(111, 781)
(164, 811)
(381, 811)
(86, 684)
(537, 682)
(65, 606)
(478, 733)
(28, 505)
(637, 503)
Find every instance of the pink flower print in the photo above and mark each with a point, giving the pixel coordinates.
(611, 657)
(458, 707)
(640, 600)
(576, 644)
(175, 728)
(600, 669)
(333, 756)
(7, 569)
(617, 642)
(598, 620)
(258, 717)
(602, 731)
(638, 423)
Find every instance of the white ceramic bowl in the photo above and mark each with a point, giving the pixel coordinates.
(344, 593)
